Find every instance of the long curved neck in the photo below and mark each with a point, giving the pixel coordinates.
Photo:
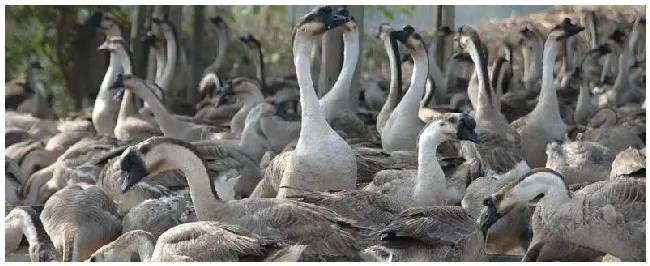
(567, 60)
(114, 67)
(128, 105)
(17, 224)
(554, 189)
(536, 54)
(622, 82)
(592, 25)
(249, 100)
(418, 79)
(172, 57)
(584, 100)
(258, 59)
(547, 103)
(168, 124)
(160, 65)
(431, 178)
(434, 70)
(498, 76)
(485, 93)
(395, 90)
(204, 196)
(340, 92)
(223, 47)
(311, 110)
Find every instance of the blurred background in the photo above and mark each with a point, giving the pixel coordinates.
(74, 68)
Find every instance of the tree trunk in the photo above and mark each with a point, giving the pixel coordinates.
(139, 49)
(195, 52)
(444, 17)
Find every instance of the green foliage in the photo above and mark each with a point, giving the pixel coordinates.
(388, 12)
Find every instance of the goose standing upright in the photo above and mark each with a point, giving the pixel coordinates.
(322, 160)
(395, 89)
(544, 124)
(104, 114)
(403, 126)
(499, 151)
(335, 105)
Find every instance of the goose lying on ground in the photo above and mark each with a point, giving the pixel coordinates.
(24, 220)
(607, 216)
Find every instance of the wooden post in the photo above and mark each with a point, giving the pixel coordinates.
(445, 17)
(356, 11)
(138, 30)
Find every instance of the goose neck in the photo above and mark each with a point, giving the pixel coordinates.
(622, 78)
(418, 79)
(395, 90)
(553, 188)
(311, 109)
(168, 124)
(341, 89)
(113, 69)
(485, 93)
(172, 56)
(430, 177)
(547, 97)
(536, 54)
(202, 191)
(223, 47)
(160, 64)
(258, 59)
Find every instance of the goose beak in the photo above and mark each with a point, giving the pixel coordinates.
(330, 19)
(103, 46)
(466, 126)
(490, 217)
(132, 168)
(400, 35)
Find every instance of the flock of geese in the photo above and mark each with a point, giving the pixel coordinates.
(542, 161)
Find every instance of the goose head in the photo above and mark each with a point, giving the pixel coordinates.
(313, 24)
(251, 41)
(151, 40)
(444, 31)
(565, 30)
(218, 22)
(130, 82)
(529, 31)
(409, 38)
(528, 189)
(465, 38)
(384, 31)
(106, 24)
(351, 24)
(451, 126)
(618, 37)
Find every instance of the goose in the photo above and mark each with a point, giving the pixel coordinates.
(130, 125)
(158, 215)
(15, 135)
(637, 37)
(80, 219)
(41, 129)
(629, 163)
(414, 187)
(13, 182)
(196, 242)
(156, 45)
(104, 115)
(169, 124)
(403, 125)
(307, 169)
(224, 41)
(580, 161)
(30, 156)
(327, 235)
(30, 97)
(249, 93)
(500, 151)
(395, 90)
(268, 86)
(437, 233)
(603, 128)
(335, 105)
(544, 124)
(24, 221)
(584, 108)
(439, 80)
(532, 58)
(606, 216)
(622, 91)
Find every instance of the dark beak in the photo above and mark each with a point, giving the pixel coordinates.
(150, 39)
(400, 35)
(490, 217)
(466, 127)
(223, 99)
(95, 19)
(132, 168)
(330, 19)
